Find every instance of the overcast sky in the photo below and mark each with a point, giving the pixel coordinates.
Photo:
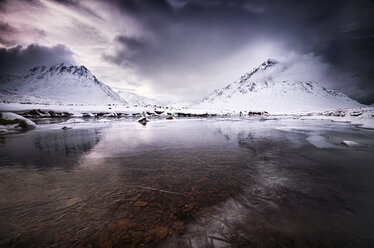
(181, 50)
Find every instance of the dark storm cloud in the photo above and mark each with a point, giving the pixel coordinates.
(129, 47)
(2, 5)
(5, 27)
(184, 34)
(352, 49)
(18, 59)
(131, 43)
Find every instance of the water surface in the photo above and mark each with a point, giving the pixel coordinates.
(188, 182)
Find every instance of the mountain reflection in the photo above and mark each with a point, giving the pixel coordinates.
(48, 148)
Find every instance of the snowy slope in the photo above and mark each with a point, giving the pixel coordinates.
(134, 99)
(272, 87)
(62, 84)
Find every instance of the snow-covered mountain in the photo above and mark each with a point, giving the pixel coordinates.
(273, 87)
(134, 99)
(57, 84)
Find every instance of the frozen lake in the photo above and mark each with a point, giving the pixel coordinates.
(188, 182)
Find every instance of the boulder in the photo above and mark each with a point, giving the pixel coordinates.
(16, 121)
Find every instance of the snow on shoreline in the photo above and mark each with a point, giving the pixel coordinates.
(11, 121)
(78, 110)
(360, 117)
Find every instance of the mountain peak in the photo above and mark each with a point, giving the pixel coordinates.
(262, 67)
(270, 62)
(42, 71)
(266, 64)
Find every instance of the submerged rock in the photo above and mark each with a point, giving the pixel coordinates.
(143, 120)
(140, 204)
(169, 118)
(14, 121)
(162, 232)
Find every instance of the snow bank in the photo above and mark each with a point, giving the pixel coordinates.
(364, 122)
(10, 120)
(92, 110)
(360, 117)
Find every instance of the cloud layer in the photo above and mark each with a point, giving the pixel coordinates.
(183, 49)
